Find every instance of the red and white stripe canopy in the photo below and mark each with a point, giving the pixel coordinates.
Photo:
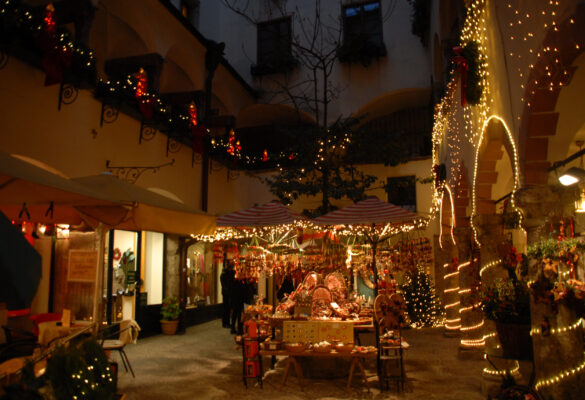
(268, 214)
(368, 211)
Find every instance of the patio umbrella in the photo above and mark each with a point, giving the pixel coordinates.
(269, 214)
(378, 220)
(31, 193)
(20, 267)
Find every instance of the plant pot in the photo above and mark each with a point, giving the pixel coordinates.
(169, 327)
(515, 340)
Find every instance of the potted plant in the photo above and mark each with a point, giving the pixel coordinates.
(170, 312)
(507, 302)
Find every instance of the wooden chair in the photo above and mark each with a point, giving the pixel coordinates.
(388, 318)
(127, 333)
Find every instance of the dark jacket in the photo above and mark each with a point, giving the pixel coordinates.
(227, 279)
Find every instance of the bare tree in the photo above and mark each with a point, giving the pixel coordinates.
(316, 39)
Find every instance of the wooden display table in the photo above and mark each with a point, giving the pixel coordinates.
(356, 360)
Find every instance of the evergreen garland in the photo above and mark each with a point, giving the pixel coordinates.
(422, 303)
(421, 20)
(474, 89)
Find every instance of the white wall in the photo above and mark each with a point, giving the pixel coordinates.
(153, 265)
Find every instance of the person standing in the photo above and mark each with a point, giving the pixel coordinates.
(238, 298)
(227, 279)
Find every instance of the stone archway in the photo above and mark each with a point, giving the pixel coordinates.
(540, 116)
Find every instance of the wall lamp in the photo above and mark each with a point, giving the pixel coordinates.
(573, 174)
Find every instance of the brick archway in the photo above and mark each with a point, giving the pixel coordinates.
(539, 118)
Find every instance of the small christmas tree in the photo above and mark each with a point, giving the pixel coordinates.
(423, 305)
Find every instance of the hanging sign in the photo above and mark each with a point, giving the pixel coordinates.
(82, 265)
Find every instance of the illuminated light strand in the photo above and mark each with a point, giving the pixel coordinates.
(516, 170)
(463, 265)
(472, 342)
(452, 224)
(494, 372)
(469, 308)
(463, 291)
(452, 328)
(447, 276)
(557, 331)
(451, 321)
(451, 290)
(452, 305)
(567, 373)
(489, 265)
(473, 327)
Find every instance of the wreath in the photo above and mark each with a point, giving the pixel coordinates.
(117, 254)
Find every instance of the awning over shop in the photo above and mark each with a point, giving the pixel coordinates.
(150, 211)
(268, 214)
(30, 193)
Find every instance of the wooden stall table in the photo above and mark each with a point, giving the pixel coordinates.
(357, 359)
(52, 330)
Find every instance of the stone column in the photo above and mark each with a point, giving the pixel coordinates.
(489, 231)
(450, 283)
(471, 319)
(558, 353)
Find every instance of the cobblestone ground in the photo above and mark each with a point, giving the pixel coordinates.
(203, 363)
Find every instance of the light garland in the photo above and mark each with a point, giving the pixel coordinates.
(516, 169)
(514, 370)
(472, 342)
(473, 327)
(452, 225)
(557, 331)
(567, 373)
(489, 265)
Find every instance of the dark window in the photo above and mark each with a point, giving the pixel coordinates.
(274, 47)
(363, 37)
(402, 192)
(363, 20)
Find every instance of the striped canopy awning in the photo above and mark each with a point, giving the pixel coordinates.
(268, 214)
(368, 211)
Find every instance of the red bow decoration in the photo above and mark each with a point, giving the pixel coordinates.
(462, 68)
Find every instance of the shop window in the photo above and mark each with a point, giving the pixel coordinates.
(363, 37)
(274, 53)
(201, 277)
(153, 267)
(402, 192)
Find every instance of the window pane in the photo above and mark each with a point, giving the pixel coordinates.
(402, 192)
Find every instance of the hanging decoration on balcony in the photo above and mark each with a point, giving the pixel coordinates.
(56, 57)
(462, 68)
(145, 100)
(234, 146)
(197, 130)
(265, 155)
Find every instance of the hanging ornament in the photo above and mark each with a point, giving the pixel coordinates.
(198, 131)
(462, 68)
(291, 156)
(144, 99)
(265, 155)
(234, 146)
(56, 58)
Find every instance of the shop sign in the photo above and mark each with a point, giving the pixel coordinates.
(82, 265)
